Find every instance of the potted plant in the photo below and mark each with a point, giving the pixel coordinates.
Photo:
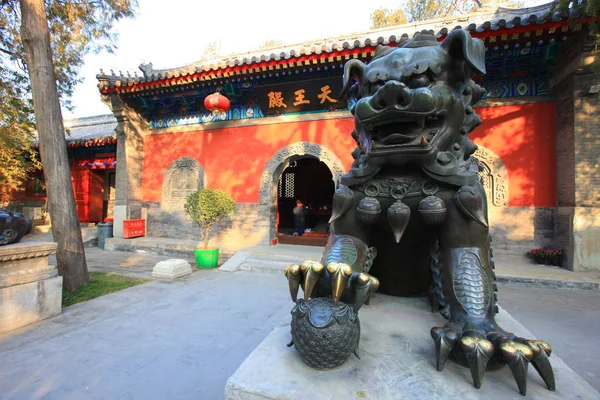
(546, 256)
(208, 207)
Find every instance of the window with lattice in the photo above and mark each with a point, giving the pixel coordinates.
(289, 185)
(279, 186)
(183, 182)
(183, 177)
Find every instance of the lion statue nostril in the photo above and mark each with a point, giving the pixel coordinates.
(404, 98)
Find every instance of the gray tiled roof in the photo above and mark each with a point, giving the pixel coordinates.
(478, 22)
(90, 131)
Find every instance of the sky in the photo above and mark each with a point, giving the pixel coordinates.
(173, 33)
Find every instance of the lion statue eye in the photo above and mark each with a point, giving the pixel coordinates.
(419, 81)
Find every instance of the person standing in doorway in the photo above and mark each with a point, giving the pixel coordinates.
(299, 218)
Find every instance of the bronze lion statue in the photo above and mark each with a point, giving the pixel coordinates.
(410, 217)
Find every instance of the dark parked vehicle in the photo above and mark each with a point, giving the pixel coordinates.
(13, 226)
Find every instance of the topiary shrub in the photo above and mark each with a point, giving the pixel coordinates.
(207, 207)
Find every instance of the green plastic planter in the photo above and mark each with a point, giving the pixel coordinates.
(206, 258)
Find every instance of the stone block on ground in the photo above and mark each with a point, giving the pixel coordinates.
(171, 269)
(397, 362)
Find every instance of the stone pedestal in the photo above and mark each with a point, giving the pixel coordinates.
(30, 289)
(171, 269)
(397, 362)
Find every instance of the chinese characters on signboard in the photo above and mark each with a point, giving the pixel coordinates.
(317, 94)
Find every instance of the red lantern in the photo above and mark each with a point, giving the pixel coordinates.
(216, 103)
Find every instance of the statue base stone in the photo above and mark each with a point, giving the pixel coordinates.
(30, 289)
(397, 362)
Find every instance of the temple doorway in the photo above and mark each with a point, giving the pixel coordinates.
(309, 180)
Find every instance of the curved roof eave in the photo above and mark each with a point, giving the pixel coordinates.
(481, 24)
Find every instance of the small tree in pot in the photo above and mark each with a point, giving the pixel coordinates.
(208, 207)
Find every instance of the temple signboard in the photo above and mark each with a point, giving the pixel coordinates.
(312, 95)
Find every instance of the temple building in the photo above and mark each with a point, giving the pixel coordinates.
(287, 135)
(91, 148)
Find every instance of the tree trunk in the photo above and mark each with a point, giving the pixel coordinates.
(206, 233)
(53, 145)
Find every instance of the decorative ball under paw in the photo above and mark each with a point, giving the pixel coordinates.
(324, 334)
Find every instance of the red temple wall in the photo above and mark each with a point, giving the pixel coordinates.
(234, 158)
(524, 137)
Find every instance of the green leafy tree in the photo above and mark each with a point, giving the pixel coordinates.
(421, 10)
(208, 207)
(17, 156)
(383, 17)
(76, 28)
(431, 9)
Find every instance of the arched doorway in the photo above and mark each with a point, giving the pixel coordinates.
(309, 180)
(279, 162)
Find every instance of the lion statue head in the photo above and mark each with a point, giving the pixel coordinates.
(414, 107)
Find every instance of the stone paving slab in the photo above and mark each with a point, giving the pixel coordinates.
(397, 362)
(173, 339)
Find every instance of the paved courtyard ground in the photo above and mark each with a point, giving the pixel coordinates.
(182, 339)
(160, 340)
(567, 319)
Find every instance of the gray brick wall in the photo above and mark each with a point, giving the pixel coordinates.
(587, 141)
(577, 149)
(563, 228)
(250, 226)
(565, 152)
(516, 230)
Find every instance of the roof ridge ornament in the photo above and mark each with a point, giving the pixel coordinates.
(146, 69)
